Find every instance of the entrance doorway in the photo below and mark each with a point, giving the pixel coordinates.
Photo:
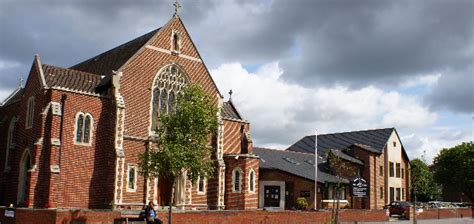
(165, 185)
(23, 179)
(272, 196)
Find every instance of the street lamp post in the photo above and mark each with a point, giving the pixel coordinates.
(315, 170)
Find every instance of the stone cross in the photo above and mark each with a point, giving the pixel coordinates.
(177, 6)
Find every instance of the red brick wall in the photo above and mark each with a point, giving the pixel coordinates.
(299, 184)
(53, 216)
(445, 213)
(233, 137)
(87, 172)
(274, 217)
(244, 199)
(143, 68)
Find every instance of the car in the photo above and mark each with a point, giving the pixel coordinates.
(400, 208)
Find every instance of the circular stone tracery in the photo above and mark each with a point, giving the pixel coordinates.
(166, 86)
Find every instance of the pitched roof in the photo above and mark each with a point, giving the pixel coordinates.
(339, 153)
(105, 63)
(70, 79)
(230, 112)
(296, 163)
(372, 139)
(14, 97)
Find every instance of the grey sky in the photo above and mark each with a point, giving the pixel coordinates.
(318, 44)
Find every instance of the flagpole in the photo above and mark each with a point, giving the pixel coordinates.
(315, 170)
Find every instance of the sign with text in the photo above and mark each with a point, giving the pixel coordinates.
(9, 213)
(304, 194)
(359, 187)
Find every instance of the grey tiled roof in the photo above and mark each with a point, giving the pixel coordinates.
(339, 153)
(230, 112)
(372, 140)
(296, 163)
(14, 97)
(105, 63)
(70, 79)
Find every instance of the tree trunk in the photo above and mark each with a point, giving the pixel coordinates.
(170, 210)
(333, 206)
(337, 206)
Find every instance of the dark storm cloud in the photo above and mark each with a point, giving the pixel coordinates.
(454, 91)
(325, 42)
(66, 32)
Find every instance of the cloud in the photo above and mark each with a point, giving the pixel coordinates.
(454, 92)
(353, 44)
(281, 112)
(428, 146)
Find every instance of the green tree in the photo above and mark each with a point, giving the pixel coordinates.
(423, 185)
(341, 170)
(454, 168)
(183, 142)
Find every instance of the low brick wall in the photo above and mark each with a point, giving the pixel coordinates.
(444, 213)
(59, 216)
(274, 217)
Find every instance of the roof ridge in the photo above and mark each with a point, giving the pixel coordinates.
(284, 150)
(71, 69)
(336, 133)
(117, 47)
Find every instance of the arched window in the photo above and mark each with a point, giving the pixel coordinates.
(251, 181)
(166, 87)
(83, 132)
(171, 99)
(175, 42)
(163, 101)
(10, 144)
(237, 180)
(132, 178)
(201, 185)
(30, 111)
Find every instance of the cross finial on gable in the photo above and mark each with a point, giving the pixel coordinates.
(177, 6)
(21, 82)
(230, 94)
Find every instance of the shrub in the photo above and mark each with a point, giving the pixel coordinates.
(301, 203)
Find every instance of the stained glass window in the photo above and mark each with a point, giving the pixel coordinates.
(166, 87)
(87, 124)
(84, 124)
(79, 127)
(171, 106)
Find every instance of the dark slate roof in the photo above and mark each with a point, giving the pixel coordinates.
(372, 139)
(296, 163)
(111, 60)
(14, 97)
(339, 153)
(230, 112)
(70, 79)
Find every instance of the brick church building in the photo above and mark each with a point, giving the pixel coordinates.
(70, 138)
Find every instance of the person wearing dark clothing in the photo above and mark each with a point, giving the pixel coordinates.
(151, 216)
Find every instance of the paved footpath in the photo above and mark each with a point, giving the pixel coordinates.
(427, 221)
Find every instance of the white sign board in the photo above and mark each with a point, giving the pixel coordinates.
(9, 213)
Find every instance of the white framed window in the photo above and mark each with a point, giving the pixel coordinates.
(132, 178)
(201, 185)
(236, 180)
(10, 143)
(251, 181)
(83, 129)
(30, 111)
